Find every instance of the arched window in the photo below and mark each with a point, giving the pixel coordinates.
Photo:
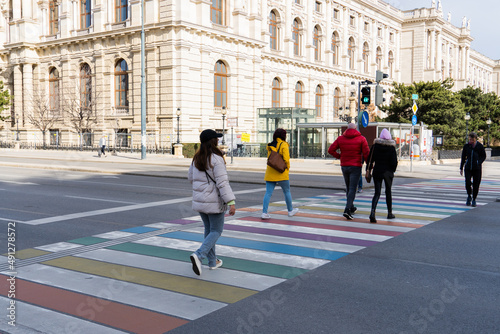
(317, 43)
(121, 10)
(390, 64)
(276, 93)
(451, 71)
(336, 102)
(319, 100)
(273, 30)
(121, 84)
(296, 37)
(379, 58)
(335, 48)
(85, 86)
(350, 52)
(220, 85)
(53, 17)
(443, 70)
(85, 13)
(299, 92)
(366, 57)
(54, 90)
(217, 11)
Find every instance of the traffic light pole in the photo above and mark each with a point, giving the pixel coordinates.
(359, 103)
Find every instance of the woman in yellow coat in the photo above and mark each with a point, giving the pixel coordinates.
(274, 177)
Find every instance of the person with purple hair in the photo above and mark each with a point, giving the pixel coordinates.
(384, 161)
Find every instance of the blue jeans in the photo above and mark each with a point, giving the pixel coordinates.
(285, 186)
(351, 179)
(214, 224)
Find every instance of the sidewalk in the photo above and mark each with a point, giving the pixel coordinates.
(131, 163)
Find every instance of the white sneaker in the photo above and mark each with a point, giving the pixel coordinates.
(293, 212)
(218, 264)
(196, 263)
(265, 216)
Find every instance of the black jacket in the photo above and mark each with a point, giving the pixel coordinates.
(383, 155)
(473, 157)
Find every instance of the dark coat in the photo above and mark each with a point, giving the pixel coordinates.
(383, 155)
(473, 157)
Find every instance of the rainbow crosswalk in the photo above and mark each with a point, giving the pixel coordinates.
(140, 280)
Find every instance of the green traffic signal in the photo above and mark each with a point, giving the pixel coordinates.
(365, 95)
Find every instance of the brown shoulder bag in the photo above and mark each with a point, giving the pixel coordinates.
(275, 160)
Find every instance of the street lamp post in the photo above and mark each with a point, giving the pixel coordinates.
(467, 118)
(489, 124)
(223, 123)
(178, 124)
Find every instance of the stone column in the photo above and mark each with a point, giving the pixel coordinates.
(27, 89)
(18, 93)
(433, 49)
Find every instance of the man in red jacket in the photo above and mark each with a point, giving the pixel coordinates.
(353, 148)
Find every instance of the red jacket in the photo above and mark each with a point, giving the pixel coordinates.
(352, 147)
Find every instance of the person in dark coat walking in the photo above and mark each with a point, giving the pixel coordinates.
(384, 157)
(353, 149)
(473, 156)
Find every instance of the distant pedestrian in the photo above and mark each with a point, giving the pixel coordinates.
(102, 145)
(353, 149)
(211, 196)
(473, 156)
(384, 157)
(273, 177)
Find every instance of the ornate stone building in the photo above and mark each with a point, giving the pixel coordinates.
(80, 60)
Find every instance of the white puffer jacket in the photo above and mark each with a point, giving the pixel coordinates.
(205, 194)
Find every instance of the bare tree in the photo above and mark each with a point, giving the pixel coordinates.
(43, 115)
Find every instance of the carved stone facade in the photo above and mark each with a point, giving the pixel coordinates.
(312, 50)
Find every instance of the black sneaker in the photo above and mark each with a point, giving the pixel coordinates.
(474, 203)
(353, 210)
(469, 199)
(348, 215)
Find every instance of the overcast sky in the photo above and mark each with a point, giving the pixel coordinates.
(484, 18)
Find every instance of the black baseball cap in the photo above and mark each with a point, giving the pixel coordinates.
(208, 134)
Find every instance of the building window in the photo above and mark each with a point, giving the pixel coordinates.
(352, 21)
(317, 43)
(336, 102)
(319, 100)
(121, 10)
(54, 90)
(85, 86)
(350, 52)
(220, 85)
(391, 37)
(217, 12)
(273, 30)
(390, 64)
(299, 92)
(317, 6)
(55, 136)
(121, 84)
(297, 2)
(53, 17)
(366, 57)
(367, 27)
(276, 93)
(335, 48)
(378, 60)
(336, 14)
(296, 37)
(379, 32)
(85, 13)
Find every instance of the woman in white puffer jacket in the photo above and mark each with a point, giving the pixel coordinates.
(211, 196)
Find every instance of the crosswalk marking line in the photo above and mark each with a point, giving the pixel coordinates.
(272, 247)
(306, 263)
(109, 313)
(190, 286)
(365, 206)
(153, 299)
(416, 217)
(183, 268)
(32, 319)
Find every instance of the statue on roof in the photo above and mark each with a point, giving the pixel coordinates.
(464, 21)
(449, 17)
(433, 4)
(440, 6)
(468, 24)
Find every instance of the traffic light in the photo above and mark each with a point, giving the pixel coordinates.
(379, 95)
(379, 76)
(365, 95)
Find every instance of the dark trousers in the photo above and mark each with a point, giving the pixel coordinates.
(472, 181)
(351, 179)
(387, 177)
(103, 147)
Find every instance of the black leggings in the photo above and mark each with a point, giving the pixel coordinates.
(472, 182)
(387, 177)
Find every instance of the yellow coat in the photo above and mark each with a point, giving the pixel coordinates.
(272, 174)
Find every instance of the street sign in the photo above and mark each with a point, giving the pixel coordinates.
(365, 119)
(245, 137)
(232, 122)
(414, 96)
(414, 120)
(414, 108)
